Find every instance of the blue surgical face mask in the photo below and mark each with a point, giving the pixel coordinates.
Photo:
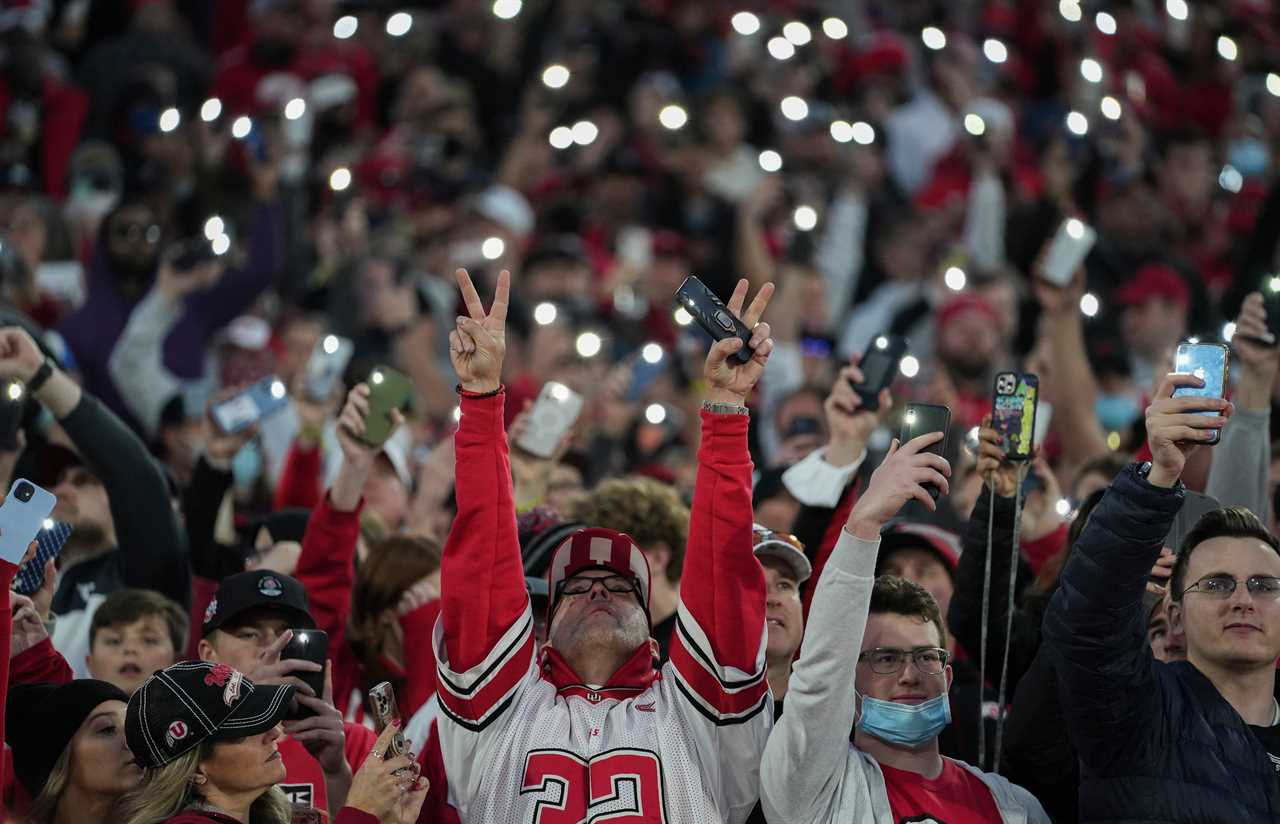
(246, 466)
(1116, 412)
(1249, 157)
(907, 725)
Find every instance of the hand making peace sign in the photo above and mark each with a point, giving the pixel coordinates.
(479, 344)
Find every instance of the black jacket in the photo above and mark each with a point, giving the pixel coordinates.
(1157, 742)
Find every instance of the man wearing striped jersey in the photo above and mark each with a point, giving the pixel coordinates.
(586, 728)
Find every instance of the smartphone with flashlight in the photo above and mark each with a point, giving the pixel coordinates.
(1068, 249)
(328, 361)
(12, 403)
(921, 419)
(1013, 413)
(308, 645)
(647, 367)
(713, 316)
(1210, 363)
(879, 365)
(22, 516)
(190, 253)
(50, 539)
(554, 413)
(388, 390)
(1270, 290)
(261, 400)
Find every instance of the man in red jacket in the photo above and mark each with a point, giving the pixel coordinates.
(586, 727)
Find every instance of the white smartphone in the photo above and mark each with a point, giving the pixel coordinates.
(1067, 251)
(553, 415)
(327, 363)
(1044, 417)
(22, 516)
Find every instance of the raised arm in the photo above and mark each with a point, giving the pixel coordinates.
(804, 761)
(137, 361)
(487, 645)
(1094, 627)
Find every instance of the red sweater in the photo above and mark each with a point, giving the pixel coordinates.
(326, 569)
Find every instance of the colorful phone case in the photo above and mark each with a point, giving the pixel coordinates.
(22, 516)
(1013, 413)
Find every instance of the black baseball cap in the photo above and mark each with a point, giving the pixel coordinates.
(255, 589)
(41, 720)
(181, 706)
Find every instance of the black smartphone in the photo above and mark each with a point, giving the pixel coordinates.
(1013, 413)
(879, 364)
(1209, 362)
(1270, 290)
(921, 419)
(308, 645)
(13, 399)
(713, 316)
(189, 254)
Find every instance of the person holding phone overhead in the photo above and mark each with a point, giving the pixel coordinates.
(521, 727)
(112, 493)
(890, 632)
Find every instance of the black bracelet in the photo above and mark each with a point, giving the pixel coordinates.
(41, 376)
(476, 395)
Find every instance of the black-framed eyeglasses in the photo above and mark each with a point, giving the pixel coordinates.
(581, 585)
(890, 660)
(1221, 586)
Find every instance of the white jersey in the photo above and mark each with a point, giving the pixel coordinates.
(678, 746)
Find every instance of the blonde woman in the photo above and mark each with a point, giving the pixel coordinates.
(207, 740)
(69, 750)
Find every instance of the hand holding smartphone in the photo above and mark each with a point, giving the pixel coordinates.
(922, 419)
(382, 699)
(1068, 249)
(713, 316)
(328, 361)
(263, 399)
(1210, 363)
(388, 390)
(879, 364)
(1013, 413)
(554, 413)
(308, 645)
(49, 542)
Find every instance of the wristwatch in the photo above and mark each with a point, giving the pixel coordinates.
(41, 375)
(722, 408)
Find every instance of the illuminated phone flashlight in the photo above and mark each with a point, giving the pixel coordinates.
(1105, 23)
(277, 389)
(745, 23)
(15, 391)
(863, 134)
(340, 179)
(1075, 229)
(241, 126)
(555, 76)
(882, 342)
(214, 227)
(1273, 283)
(1113, 441)
(457, 414)
(797, 33)
(1077, 124)
(398, 24)
(220, 244)
(1273, 84)
(584, 132)
(652, 353)
(805, 218)
(1231, 179)
(588, 344)
(1070, 10)
(506, 9)
(48, 524)
(345, 26)
(682, 316)
(170, 119)
(794, 108)
(673, 117)
(1110, 108)
(655, 413)
(544, 314)
(974, 124)
(835, 28)
(561, 137)
(994, 50)
(376, 377)
(841, 131)
(295, 108)
(211, 110)
(1089, 304)
(933, 38)
(955, 278)
(909, 366)
(1091, 70)
(1063, 507)
(911, 417)
(780, 48)
(330, 344)
(559, 391)
(770, 161)
(1227, 48)
(1228, 331)
(492, 248)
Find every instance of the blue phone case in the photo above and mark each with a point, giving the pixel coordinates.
(49, 542)
(643, 374)
(264, 398)
(22, 520)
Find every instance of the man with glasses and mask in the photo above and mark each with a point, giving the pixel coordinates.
(1194, 740)
(865, 750)
(587, 728)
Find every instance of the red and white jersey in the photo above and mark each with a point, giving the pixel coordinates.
(524, 742)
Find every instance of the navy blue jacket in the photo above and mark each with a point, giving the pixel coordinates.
(1157, 742)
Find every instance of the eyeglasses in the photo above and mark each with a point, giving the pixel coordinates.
(890, 661)
(761, 534)
(1221, 586)
(581, 585)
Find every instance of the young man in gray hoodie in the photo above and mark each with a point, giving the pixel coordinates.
(889, 631)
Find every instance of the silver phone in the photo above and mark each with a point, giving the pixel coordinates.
(554, 414)
(325, 366)
(1068, 249)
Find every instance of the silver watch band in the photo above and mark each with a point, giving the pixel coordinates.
(721, 408)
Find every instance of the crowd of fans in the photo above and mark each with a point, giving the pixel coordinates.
(730, 592)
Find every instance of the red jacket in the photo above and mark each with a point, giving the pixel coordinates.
(299, 484)
(326, 569)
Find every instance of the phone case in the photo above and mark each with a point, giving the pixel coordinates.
(713, 316)
(879, 365)
(264, 398)
(327, 363)
(1210, 362)
(388, 390)
(553, 415)
(923, 418)
(1068, 249)
(1013, 413)
(21, 518)
(308, 645)
(382, 699)
(49, 542)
